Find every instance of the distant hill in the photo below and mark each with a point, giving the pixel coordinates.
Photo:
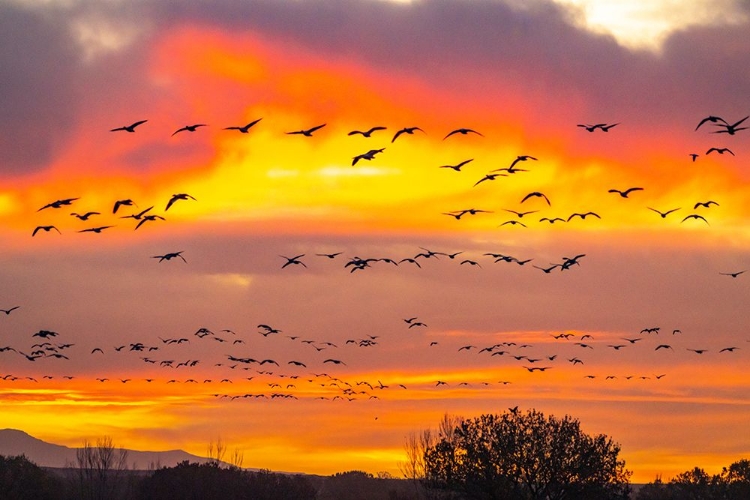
(14, 442)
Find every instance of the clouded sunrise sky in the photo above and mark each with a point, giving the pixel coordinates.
(490, 299)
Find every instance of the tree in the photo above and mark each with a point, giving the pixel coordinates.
(526, 456)
(22, 479)
(100, 471)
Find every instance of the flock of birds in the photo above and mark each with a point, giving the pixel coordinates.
(291, 378)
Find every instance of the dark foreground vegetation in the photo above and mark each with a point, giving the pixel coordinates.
(511, 456)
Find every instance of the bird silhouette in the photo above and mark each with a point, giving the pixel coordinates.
(85, 216)
(366, 133)
(583, 215)
(458, 166)
(405, 130)
(370, 155)
(536, 194)
(148, 218)
(663, 214)
(245, 128)
(170, 256)
(712, 119)
(96, 230)
(177, 197)
(188, 128)
(734, 274)
(626, 192)
(705, 204)
(58, 203)
(44, 228)
(721, 151)
(695, 216)
(129, 128)
(293, 260)
(119, 203)
(730, 128)
(462, 131)
(307, 132)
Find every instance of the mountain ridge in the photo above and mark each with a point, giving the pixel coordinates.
(15, 442)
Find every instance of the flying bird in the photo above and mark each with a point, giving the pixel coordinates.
(458, 166)
(733, 275)
(406, 130)
(583, 215)
(148, 218)
(705, 204)
(85, 216)
(44, 228)
(536, 194)
(721, 151)
(625, 193)
(730, 128)
(293, 260)
(366, 133)
(307, 132)
(370, 155)
(177, 197)
(695, 216)
(170, 256)
(129, 128)
(712, 119)
(127, 202)
(8, 311)
(58, 203)
(245, 128)
(462, 131)
(663, 214)
(188, 128)
(96, 230)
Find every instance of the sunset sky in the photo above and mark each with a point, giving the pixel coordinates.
(524, 75)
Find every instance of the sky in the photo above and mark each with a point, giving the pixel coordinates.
(520, 78)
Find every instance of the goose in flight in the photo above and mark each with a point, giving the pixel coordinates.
(370, 155)
(148, 218)
(521, 214)
(58, 203)
(188, 128)
(334, 361)
(293, 260)
(705, 204)
(730, 128)
(406, 130)
(307, 132)
(536, 194)
(170, 256)
(129, 128)
(462, 131)
(695, 216)
(733, 275)
(8, 311)
(245, 128)
(127, 202)
(626, 192)
(44, 228)
(85, 216)
(583, 215)
(713, 119)
(366, 133)
(488, 177)
(721, 151)
(663, 214)
(458, 166)
(137, 216)
(177, 197)
(96, 230)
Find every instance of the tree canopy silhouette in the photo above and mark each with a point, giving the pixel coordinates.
(526, 456)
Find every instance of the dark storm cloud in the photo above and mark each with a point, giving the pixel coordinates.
(38, 95)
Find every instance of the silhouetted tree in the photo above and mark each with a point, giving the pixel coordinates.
(22, 479)
(100, 472)
(696, 484)
(192, 481)
(526, 456)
